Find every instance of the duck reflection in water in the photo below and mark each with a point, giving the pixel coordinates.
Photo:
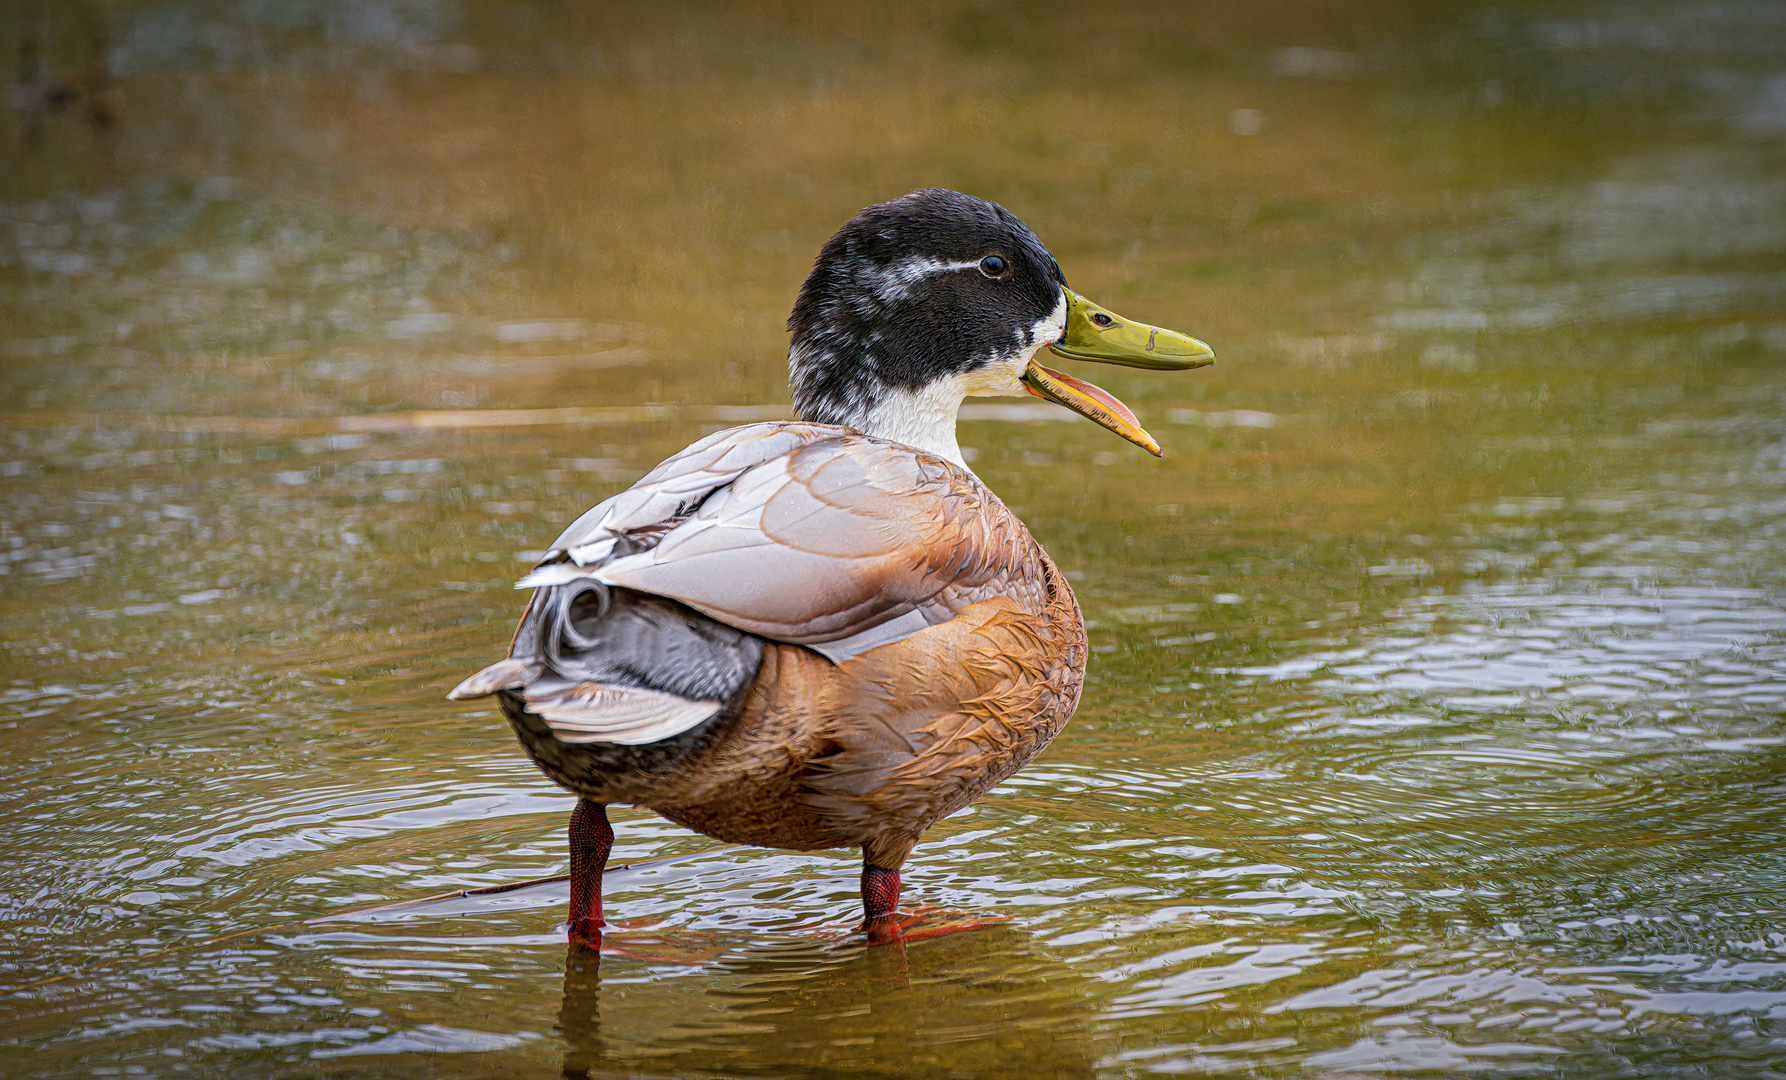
(987, 1004)
(828, 633)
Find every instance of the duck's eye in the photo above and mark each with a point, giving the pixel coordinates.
(994, 266)
(1100, 318)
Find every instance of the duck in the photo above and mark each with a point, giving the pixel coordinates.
(828, 632)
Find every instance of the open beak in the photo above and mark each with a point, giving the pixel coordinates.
(1101, 335)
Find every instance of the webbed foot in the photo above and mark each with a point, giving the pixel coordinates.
(924, 922)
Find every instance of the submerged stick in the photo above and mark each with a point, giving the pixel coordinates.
(483, 890)
(511, 886)
(395, 905)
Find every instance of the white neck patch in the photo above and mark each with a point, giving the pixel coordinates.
(925, 418)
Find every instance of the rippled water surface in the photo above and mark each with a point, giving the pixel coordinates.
(1436, 720)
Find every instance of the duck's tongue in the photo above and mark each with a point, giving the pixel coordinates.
(1091, 402)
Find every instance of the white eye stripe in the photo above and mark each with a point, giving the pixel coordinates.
(893, 281)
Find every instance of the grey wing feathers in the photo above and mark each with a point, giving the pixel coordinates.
(588, 632)
(600, 712)
(614, 665)
(602, 664)
(803, 533)
(509, 673)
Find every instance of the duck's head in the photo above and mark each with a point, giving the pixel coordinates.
(936, 296)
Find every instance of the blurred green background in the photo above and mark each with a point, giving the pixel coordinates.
(1439, 669)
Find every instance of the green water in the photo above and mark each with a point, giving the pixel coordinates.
(1436, 719)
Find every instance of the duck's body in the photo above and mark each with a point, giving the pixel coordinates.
(818, 635)
(869, 745)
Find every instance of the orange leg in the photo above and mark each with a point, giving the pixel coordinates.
(886, 925)
(591, 839)
(880, 904)
(880, 892)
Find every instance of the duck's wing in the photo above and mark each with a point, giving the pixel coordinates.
(669, 493)
(802, 533)
(807, 534)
